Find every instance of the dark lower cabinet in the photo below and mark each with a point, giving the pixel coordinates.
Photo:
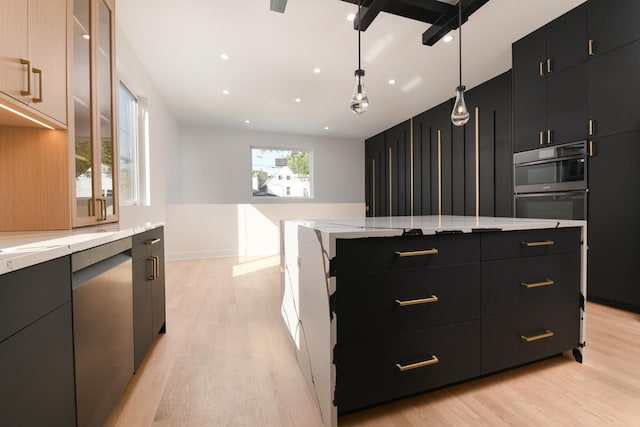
(614, 203)
(398, 156)
(376, 176)
(148, 291)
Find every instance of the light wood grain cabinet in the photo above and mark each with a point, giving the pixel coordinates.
(33, 72)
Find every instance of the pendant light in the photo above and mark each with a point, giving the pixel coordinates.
(359, 100)
(460, 114)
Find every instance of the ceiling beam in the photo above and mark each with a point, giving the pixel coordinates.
(449, 21)
(366, 15)
(278, 5)
(428, 11)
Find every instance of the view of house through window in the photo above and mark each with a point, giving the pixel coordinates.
(277, 172)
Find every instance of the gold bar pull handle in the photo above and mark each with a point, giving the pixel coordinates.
(541, 69)
(537, 285)
(152, 242)
(591, 47)
(39, 73)
(547, 334)
(100, 202)
(541, 137)
(153, 268)
(104, 209)
(433, 251)
(28, 64)
(591, 148)
(592, 127)
(548, 65)
(434, 360)
(549, 136)
(536, 244)
(156, 265)
(429, 300)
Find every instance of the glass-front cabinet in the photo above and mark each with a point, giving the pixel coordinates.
(93, 130)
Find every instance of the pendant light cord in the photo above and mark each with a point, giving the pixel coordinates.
(460, 39)
(359, 67)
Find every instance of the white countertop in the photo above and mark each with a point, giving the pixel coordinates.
(23, 249)
(396, 225)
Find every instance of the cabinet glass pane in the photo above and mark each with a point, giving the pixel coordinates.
(106, 110)
(82, 106)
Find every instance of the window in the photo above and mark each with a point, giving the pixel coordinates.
(270, 165)
(133, 143)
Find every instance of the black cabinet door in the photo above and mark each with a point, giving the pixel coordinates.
(567, 41)
(398, 150)
(503, 149)
(529, 56)
(441, 161)
(36, 367)
(375, 175)
(422, 163)
(458, 170)
(614, 88)
(612, 23)
(613, 220)
(567, 105)
(530, 116)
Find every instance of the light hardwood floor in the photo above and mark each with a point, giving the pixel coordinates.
(226, 361)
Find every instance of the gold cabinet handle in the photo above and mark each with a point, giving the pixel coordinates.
(429, 300)
(541, 137)
(538, 284)
(153, 268)
(104, 209)
(39, 73)
(547, 334)
(152, 242)
(592, 127)
(434, 360)
(536, 244)
(590, 148)
(541, 69)
(548, 65)
(99, 218)
(590, 47)
(549, 136)
(433, 251)
(28, 64)
(156, 270)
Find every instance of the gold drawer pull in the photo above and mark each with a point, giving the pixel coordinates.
(547, 334)
(537, 285)
(417, 253)
(431, 299)
(536, 244)
(152, 242)
(431, 361)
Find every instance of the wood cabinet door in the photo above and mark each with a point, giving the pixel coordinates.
(13, 48)
(612, 24)
(613, 90)
(567, 105)
(612, 215)
(530, 116)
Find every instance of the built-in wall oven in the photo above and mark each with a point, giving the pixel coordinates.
(551, 182)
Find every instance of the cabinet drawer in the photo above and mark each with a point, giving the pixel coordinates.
(367, 372)
(144, 243)
(392, 253)
(516, 244)
(513, 285)
(503, 344)
(28, 294)
(372, 305)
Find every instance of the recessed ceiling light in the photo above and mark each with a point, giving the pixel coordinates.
(317, 70)
(224, 56)
(326, 128)
(392, 81)
(226, 92)
(447, 38)
(247, 121)
(351, 17)
(86, 36)
(298, 100)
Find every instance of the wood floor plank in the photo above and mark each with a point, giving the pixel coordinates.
(226, 360)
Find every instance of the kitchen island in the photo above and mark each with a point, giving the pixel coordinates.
(382, 308)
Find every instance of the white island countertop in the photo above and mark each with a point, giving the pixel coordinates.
(24, 249)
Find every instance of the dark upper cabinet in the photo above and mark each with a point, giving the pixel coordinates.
(611, 24)
(613, 226)
(557, 46)
(376, 176)
(422, 163)
(614, 88)
(488, 175)
(398, 155)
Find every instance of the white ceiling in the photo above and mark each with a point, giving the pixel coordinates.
(272, 57)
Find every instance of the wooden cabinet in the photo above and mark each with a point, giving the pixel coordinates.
(36, 346)
(611, 24)
(550, 81)
(148, 291)
(33, 72)
(613, 228)
(92, 131)
(419, 312)
(376, 176)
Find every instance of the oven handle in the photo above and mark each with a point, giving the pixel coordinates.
(550, 160)
(550, 193)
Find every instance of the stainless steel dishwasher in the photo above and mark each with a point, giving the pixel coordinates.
(102, 289)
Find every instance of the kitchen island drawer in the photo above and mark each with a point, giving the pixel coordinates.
(372, 305)
(518, 284)
(146, 242)
(28, 294)
(366, 255)
(517, 244)
(529, 335)
(382, 369)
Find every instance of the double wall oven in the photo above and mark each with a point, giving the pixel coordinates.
(551, 182)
